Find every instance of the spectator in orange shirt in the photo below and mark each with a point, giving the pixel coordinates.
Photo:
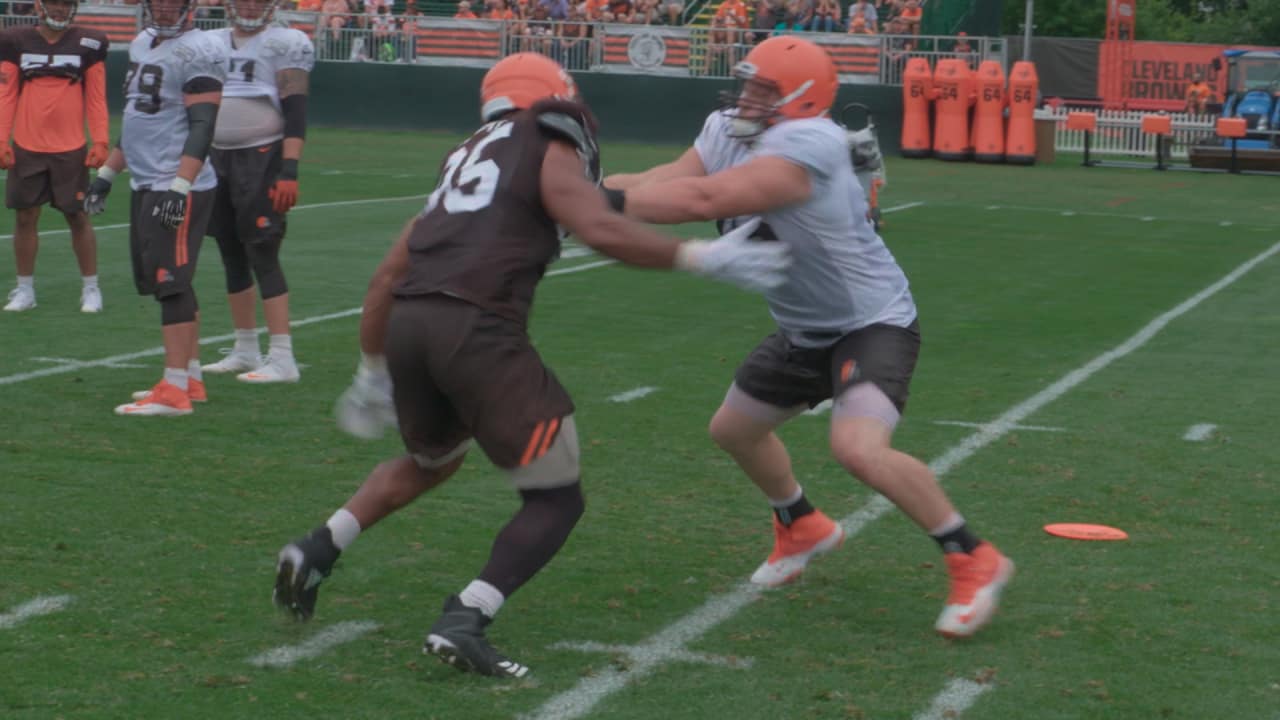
(464, 11)
(911, 16)
(52, 82)
(1198, 95)
(735, 8)
(309, 5)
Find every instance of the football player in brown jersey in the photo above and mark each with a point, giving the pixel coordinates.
(465, 269)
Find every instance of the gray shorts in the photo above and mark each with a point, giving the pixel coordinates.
(785, 375)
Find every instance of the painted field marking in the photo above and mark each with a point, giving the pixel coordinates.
(65, 361)
(630, 395)
(115, 360)
(979, 426)
(959, 695)
(42, 605)
(314, 646)
(636, 652)
(1200, 432)
(579, 700)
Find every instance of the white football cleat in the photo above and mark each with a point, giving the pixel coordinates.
(21, 299)
(234, 362)
(274, 369)
(91, 300)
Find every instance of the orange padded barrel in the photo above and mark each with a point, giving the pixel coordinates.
(1157, 124)
(1023, 84)
(953, 83)
(1232, 127)
(988, 116)
(917, 99)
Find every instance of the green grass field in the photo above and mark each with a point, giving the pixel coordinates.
(159, 536)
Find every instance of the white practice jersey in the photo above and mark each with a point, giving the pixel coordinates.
(155, 117)
(842, 277)
(251, 114)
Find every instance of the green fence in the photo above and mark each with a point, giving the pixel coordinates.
(630, 107)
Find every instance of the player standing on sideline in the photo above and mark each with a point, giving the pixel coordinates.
(256, 147)
(172, 93)
(846, 320)
(52, 80)
(451, 303)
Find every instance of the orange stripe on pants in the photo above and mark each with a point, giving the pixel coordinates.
(551, 435)
(180, 250)
(533, 444)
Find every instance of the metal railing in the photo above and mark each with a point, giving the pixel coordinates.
(1120, 133)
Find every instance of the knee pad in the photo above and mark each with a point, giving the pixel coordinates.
(180, 307)
(236, 264)
(265, 259)
(557, 468)
(566, 502)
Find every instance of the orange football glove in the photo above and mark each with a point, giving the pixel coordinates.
(97, 156)
(284, 192)
(6, 156)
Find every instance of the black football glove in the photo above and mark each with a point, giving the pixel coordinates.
(95, 201)
(172, 208)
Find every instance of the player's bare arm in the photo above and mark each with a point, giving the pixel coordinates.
(753, 188)
(294, 85)
(574, 203)
(689, 164)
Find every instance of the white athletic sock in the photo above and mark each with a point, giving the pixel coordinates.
(788, 502)
(28, 281)
(480, 594)
(281, 346)
(344, 527)
(176, 377)
(90, 281)
(953, 522)
(194, 372)
(246, 341)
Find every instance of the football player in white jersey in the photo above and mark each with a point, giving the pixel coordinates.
(172, 92)
(256, 147)
(847, 325)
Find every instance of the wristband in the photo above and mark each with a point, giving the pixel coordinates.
(181, 186)
(106, 173)
(617, 199)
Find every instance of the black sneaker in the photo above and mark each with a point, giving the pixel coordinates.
(458, 639)
(302, 566)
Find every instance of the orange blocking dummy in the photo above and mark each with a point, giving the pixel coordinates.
(1023, 84)
(917, 98)
(988, 117)
(953, 83)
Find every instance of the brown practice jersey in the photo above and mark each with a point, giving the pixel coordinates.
(49, 90)
(484, 236)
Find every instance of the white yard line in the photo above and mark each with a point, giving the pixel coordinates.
(115, 360)
(959, 695)
(1200, 432)
(316, 645)
(43, 605)
(667, 643)
(630, 395)
(979, 426)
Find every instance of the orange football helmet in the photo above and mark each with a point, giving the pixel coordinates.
(518, 81)
(784, 77)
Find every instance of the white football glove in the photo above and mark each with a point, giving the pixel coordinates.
(365, 410)
(754, 265)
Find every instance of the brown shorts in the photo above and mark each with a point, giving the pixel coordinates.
(460, 372)
(786, 375)
(38, 179)
(164, 260)
(242, 209)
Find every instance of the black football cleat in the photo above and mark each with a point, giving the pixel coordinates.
(303, 564)
(457, 638)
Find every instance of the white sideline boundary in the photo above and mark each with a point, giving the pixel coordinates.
(578, 701)
(42, 605)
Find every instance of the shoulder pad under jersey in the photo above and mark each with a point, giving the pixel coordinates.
(565, 126)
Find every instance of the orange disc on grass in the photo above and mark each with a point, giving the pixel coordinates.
(1086, 531)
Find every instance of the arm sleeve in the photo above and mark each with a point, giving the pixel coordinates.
(10, 83)
(95, 103)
